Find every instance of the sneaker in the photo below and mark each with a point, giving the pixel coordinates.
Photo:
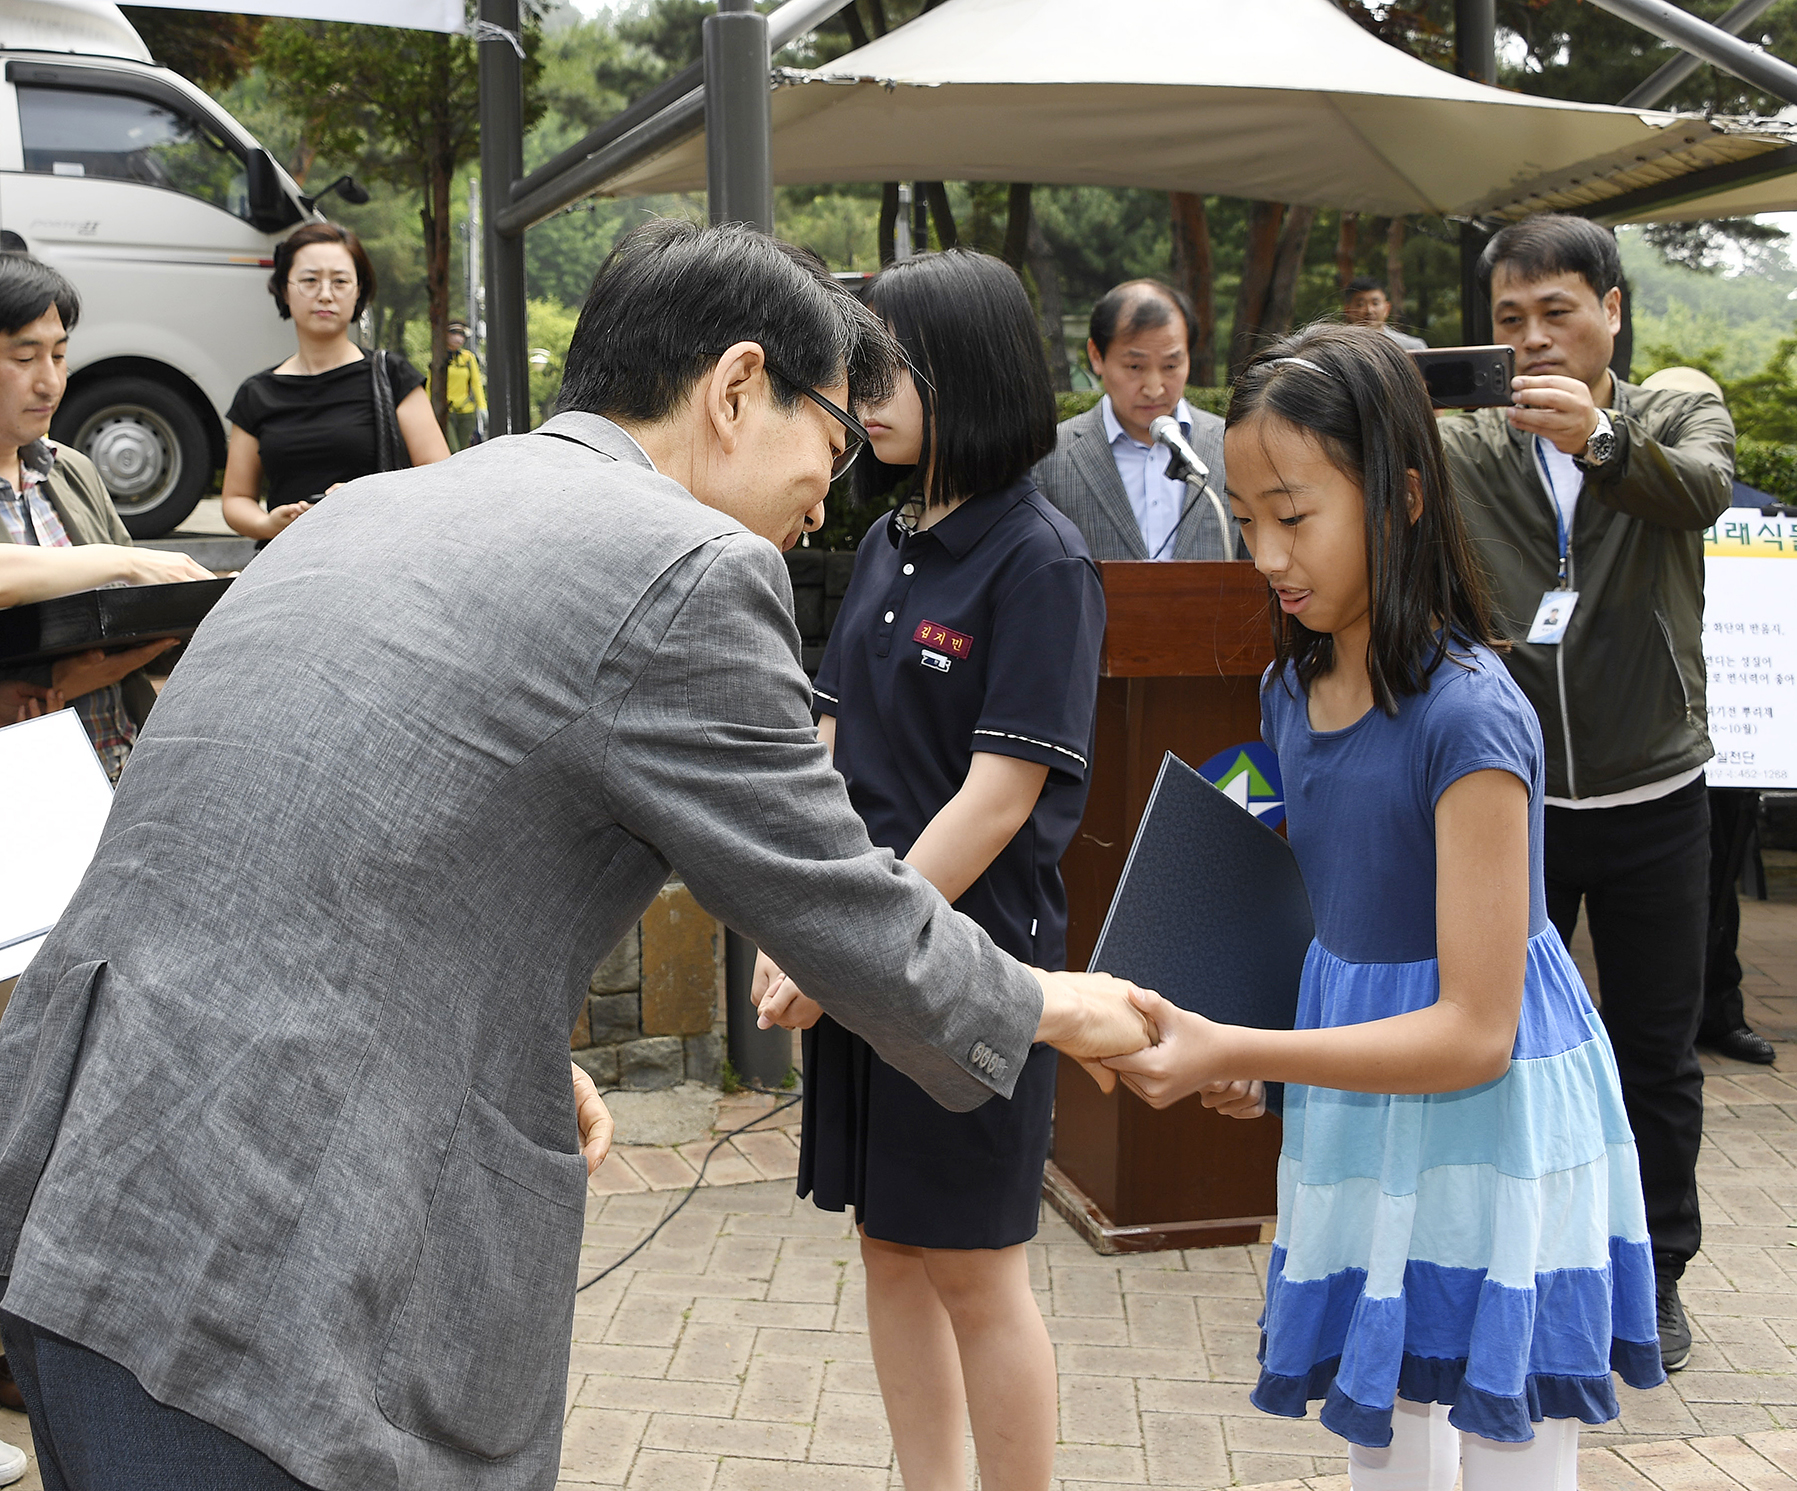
(1675, 1330)
(12, 1463)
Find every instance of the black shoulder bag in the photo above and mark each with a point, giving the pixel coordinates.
(390, 451)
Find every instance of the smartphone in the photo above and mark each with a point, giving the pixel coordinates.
(1467, 377)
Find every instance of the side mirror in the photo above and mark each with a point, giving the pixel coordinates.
(347, 187)
(271, 209)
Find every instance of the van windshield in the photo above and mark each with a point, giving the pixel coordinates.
(119, 137)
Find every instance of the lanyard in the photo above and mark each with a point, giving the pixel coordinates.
(1553, 501)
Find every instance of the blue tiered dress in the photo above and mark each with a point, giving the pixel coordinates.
(1486, 1248)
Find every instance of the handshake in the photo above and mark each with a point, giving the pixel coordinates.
(1108, 1025)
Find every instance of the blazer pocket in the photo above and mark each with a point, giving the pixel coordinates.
(478, 1355)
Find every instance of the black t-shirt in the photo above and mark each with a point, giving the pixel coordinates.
(316, 428)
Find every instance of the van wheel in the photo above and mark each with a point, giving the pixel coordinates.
(149, 447)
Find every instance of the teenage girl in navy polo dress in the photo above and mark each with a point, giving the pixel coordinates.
(957, 695)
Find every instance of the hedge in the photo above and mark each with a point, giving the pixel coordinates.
(1215, 400)
(1771, 468)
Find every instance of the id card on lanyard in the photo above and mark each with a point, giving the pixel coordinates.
(1554, 614)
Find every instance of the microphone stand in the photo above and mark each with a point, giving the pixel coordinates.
(1197, 484)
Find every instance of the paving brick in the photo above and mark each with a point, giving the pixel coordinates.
(713, 1353)
(1099, 1410)
(598, 1445)
(657, 1470)
(782, 1389)
(756, 1475)
(851, 1430)
(773, 1154)
(752, 1438)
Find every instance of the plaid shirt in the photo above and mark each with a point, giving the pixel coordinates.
(102, 711)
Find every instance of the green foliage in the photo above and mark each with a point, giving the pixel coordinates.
(1211, 400)
(1772, 468)
(207, 47)
(550, 328)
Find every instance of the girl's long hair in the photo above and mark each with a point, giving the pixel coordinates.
(970, 336)
(1362, 399)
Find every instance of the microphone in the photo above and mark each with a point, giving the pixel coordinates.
(1183, 465)
(1166, 431)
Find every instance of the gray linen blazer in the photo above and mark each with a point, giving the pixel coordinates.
(285, 1118)
(1080, 477)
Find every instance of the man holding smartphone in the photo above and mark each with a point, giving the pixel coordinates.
(1588, 498)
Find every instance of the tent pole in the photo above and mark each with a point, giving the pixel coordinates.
(1734, 22)
(502, 163)
(739, 181)
(1710, 44)
(1475, 57)
(739, 117)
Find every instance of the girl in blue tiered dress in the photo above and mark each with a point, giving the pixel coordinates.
(1461, 1240)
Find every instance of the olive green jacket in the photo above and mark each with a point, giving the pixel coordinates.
(1621, 700)
(88, 517)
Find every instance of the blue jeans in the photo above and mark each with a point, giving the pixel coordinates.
(96, 1429)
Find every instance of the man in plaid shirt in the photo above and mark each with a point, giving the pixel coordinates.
(50, 495)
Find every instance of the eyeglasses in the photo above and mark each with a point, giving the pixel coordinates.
(857, 432)
(309, 285)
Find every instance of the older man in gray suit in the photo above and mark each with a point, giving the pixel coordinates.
(290, 1192)
(1106, 472)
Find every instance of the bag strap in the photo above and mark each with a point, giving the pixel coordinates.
(389, 441)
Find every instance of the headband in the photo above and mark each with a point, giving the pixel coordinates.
(1305, 362)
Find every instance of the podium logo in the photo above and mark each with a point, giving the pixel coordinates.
(1248, 775)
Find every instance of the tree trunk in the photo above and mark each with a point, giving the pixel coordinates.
(1047, 276)
(1264, 220)
(889, 210)
(1347, 244)
(1017, 226)
(1288, 259)
(947, 236)
(1194, 273)
(1394, 269)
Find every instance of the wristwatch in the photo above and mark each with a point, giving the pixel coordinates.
(1602, 444)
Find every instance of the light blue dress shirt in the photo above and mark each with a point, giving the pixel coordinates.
(1156, 499)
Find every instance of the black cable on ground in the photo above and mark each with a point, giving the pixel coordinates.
(691, 1191)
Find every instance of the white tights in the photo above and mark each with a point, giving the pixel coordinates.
(1427, 1452)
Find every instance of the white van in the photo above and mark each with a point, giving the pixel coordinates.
(164, 212)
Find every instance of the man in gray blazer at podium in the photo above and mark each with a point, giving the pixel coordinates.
(290, 1189)
(1106, 472)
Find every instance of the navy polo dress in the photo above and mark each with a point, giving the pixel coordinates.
(980, 634)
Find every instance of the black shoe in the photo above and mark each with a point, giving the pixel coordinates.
(1742, 1045)
(1675, 1330)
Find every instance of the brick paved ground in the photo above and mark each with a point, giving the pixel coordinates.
(731, 1354)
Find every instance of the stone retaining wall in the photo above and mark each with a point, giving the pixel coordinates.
(654, 1011)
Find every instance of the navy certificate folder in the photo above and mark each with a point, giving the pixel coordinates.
(1211, 911)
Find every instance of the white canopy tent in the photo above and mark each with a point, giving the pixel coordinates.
(1280, 99)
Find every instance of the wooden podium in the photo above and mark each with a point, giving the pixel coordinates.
(1185, 646)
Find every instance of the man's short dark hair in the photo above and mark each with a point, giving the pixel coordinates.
(1552, 243)
(672, 296)
(28, 288)
(975, 350)
(1139, 305)
(1362, 284)
(320, 233)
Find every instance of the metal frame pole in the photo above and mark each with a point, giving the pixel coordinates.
(739, 116)
(1475, 57)
(501, 164)
(1734, 22)
(1709, 43)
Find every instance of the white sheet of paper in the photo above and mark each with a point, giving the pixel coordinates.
(57, 799)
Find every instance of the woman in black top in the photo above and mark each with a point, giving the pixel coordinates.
(309, 424)
(957, 696)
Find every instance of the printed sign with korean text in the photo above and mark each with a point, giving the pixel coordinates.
(1750, 649)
